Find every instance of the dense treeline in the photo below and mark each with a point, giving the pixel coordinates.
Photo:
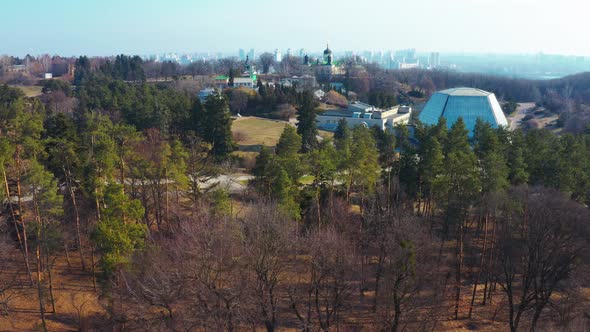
(143, 105)
(567, 96)
(115, 181)
(447, 228)
(269, 101)
(364, 77)
(370, 229)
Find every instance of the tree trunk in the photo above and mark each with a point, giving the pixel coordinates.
(378, 275)
(156, 196)
(20, 210)
(50, 279)
(397, 311)
(490, 261)
(513, 324)
(481, 262)
(459, 269)
(270, 323)
(537, 314)
(77, 217)
(67, 252)
(166, 195)
(15, 222)
(348, 188)
(93, 267)
(97, 204)
(122, 172)
(318, 206)
(40, 295)
(39, 268)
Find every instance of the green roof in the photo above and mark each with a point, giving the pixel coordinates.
(220, 77)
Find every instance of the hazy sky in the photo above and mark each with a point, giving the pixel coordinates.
(105, 27)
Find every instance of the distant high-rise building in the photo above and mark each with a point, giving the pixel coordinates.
(434, 60)
(288, 52)
(302, 52)
(408, 55)
(378, 57)
(390, 61)
(242, 54)
(278, 57)
(251, 54)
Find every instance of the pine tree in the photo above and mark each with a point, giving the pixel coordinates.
(230, 81)
(343, 145)
(287, 152)
(431, 165)
(518, 173)
(462, 174)
(285, 193)
(216, 126)
(407, 166)
(573, 174)
(386, 145)
(542, 154)
(47, 209)
(119, 233)
(322, 164)
(289, 142)
(342, 131)
(493, 167)
(307, 126)
(124, 137)
(365, 164)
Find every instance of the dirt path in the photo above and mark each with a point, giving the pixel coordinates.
(515, 119)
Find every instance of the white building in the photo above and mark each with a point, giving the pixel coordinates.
(278, 57)
(203, 94)
(408, 65)
(303, 82)
(366, 115)
(245, 82)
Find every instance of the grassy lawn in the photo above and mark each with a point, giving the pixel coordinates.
(29, 90)
(257, 131)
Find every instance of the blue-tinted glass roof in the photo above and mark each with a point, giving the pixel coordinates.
(433, 109)
(469, 104)
(470, 109)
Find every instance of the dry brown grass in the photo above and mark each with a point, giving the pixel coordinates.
(76, 301)
(250, 131)
(29, 90)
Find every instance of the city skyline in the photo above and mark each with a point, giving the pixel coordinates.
(101, 28)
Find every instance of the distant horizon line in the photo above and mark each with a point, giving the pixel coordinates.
(294, 51)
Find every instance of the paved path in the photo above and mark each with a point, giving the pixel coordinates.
(233, 183)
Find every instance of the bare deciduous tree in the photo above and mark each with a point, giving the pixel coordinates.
(322, 295)
(267, 238)
(540, 241)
